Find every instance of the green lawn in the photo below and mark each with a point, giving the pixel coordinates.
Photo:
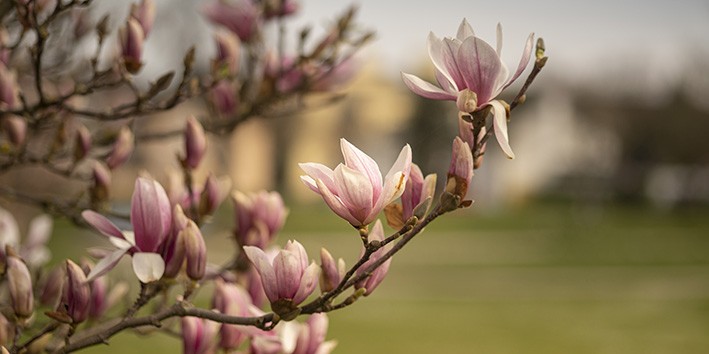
(544, 279)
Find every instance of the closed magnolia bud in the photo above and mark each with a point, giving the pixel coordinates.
(19, 283)
(16, 128)
(82, 144)
(132, 38)
(212, 195)
(144, 13)
(376, 276)
(227, 59)
(52, 287)
(102, 183)
(76, 294)
(224, 98)
(195, 143)
(332, 272)
(174, 252)
(195, 251)
(98, 301)
(122, 148)
(460, 172)
(243, 17)
(5, 331)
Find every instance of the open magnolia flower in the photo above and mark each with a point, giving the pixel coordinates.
(470, 72)
(151, 217)
(355, 190)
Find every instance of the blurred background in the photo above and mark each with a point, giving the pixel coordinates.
(595, 239)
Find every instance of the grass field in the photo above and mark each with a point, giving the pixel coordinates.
(544, 279)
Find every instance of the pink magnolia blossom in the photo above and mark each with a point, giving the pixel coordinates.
(198, 335)
(231, 299)
(259, 216)
(418, 191)
(470, 72)
(460, 171)
(311, 336)
(355, 190)
(287, 279)
(144, 13)
(151, 217)
(242, 17)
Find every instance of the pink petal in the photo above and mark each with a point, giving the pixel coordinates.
(526, 54)
(444, 59)
(102, 224)
(355, 191)
(500, 125)
(308, 282)
(265, 270)
(356, 159)
(151, 214)
(288, 272)
(425, 89)
(326, 347)
(480, 67)
(148, 266)
(106, 264)
(336, 204)
(317, 171)
(299, 251)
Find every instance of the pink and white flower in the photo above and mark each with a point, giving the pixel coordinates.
(151, 217)
(355, 190)
(470, 72)
(288, 279)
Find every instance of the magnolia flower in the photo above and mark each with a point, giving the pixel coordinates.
(355, 190)
(470, 72)
(287, 279)
(259, 217)
(311, 336)
(198, 335)
(460, 171)
(151, 217)
(377, 275)
(242, 17)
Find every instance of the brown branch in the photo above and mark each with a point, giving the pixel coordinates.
(179, 309)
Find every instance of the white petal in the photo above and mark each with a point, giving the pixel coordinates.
(148, 266)
(526, 54)
(426, 89)
(464, 30)
(105, 264)
(441, 57)
(500, 124)
(499, 39)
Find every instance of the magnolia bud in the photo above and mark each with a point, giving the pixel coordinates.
(122, 148)
(144, 13)
(6, 331)
(102, 183)
(174, 252)
(460, 172)
(377, 275)
(9, 92)
(224, 98)
(76, 294)
(132, 38)
(195, 251)
(332, 272)
(195, 143)
(227, 59)
(242, 17)
(212, 195)
(98, 303)
(82, 144)
(19, 283)
(52, 287)
(16, 128)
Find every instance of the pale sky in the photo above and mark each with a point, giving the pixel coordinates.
(580, 35)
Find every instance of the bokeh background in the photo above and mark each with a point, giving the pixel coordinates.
(595, 239)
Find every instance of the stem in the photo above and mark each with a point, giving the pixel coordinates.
(179, 309)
